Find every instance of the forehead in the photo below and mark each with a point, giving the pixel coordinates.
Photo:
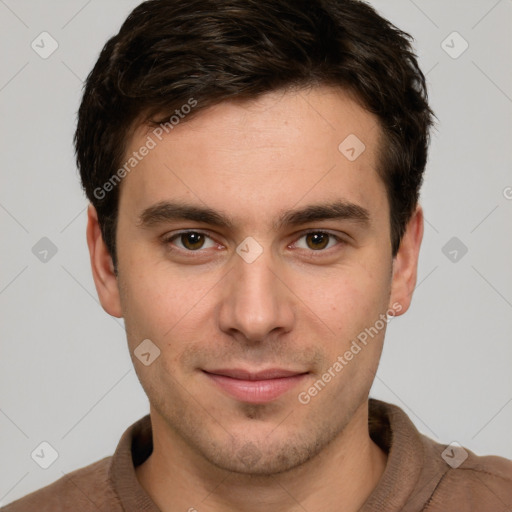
(262, 155)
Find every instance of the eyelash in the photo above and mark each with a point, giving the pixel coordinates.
(169, 239)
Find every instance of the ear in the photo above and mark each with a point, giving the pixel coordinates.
(102, 266)
(405, 263)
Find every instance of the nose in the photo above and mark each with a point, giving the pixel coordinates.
(256, 301)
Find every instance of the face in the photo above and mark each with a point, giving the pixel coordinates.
(258, 288)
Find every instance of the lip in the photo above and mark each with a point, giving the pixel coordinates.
(255, 387)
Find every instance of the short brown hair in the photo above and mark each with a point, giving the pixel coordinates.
(169, 51)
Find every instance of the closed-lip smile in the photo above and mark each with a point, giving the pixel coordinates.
(255, 386)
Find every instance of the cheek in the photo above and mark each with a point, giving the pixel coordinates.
(164, 305)
(347, 299)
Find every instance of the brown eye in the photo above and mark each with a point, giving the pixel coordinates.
(189, 241)
(192, 240)
(317, 241)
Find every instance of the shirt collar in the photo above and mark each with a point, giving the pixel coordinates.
(407, 471)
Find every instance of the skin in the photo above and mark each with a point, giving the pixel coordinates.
(294, 307)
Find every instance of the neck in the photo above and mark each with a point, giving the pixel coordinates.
(340, 478)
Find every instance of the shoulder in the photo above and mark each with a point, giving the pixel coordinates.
(87, 489)
(423, 474)
(471, 482)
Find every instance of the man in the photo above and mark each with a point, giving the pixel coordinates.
(254, 168)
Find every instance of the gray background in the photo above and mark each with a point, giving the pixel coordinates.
(65, 373)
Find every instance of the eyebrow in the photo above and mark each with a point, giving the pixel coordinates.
(166, 211)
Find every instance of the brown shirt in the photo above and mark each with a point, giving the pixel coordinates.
(420, 475)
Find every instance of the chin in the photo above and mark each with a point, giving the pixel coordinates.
(250, 461)
(259, 457)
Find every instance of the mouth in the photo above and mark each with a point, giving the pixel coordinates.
(255, 387)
